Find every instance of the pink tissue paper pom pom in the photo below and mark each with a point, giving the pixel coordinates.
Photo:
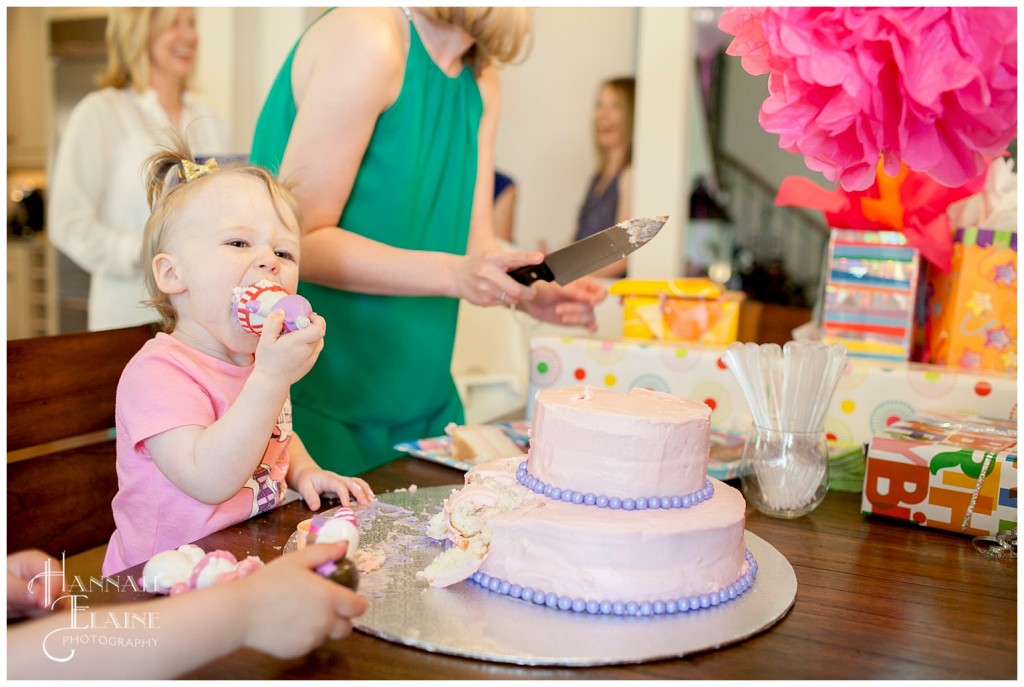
(932, 87)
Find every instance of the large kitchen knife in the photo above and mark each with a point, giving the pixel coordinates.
(592, 253)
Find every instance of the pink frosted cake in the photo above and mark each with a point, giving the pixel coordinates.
(612, 512)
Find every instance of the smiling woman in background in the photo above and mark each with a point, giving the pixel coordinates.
(608, 199)
(97, 207)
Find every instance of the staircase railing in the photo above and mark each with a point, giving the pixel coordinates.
(795, 237)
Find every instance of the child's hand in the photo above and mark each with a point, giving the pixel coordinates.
(289, 356)
(22, 567)
(313, 481)
(313, 607)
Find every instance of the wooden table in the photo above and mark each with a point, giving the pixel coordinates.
(876, 600)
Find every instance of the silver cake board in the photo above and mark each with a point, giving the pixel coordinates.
(469, 621)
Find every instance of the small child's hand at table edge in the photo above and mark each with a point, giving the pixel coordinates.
(315, 481)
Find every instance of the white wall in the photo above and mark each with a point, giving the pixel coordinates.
(661, 143)
(545, 139)
(241, 51)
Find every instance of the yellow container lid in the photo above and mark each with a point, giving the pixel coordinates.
(689, 287)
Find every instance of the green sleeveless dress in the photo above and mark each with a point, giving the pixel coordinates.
(384, 376)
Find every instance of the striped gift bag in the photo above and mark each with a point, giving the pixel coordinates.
(871, 293)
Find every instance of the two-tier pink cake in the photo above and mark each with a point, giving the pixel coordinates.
(612, 512)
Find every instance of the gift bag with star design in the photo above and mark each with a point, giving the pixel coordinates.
(971, 317)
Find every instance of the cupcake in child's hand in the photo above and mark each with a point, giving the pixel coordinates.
(328, 529)
(253, 305)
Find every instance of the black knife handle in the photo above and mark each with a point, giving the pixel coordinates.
(531, 273)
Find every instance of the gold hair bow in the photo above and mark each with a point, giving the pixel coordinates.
(190, 171)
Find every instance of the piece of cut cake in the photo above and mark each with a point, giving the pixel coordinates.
(479, 443)
(463, 520)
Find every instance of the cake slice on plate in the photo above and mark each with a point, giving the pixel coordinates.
(480, 443)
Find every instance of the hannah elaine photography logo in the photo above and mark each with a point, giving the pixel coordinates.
(102, 626)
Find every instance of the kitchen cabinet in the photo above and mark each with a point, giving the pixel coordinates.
(31, 287)
(28, 92)
(30, 77)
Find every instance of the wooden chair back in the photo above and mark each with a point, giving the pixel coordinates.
(61, 472)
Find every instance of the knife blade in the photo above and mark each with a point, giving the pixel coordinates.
(592, 253)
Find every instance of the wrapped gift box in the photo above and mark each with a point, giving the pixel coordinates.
(870, 396)
(951, 471)
(972, 310)
(691, 309)
(871, 292)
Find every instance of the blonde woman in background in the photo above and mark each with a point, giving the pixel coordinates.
(97, 206)
(385, 120)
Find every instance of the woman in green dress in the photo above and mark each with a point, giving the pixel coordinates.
(384, 120)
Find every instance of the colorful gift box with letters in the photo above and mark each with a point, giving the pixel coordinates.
(870, 395)
(689, 309)
(951, 471)
(871, 291)
(972, 310)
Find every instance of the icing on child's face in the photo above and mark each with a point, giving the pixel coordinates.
(227, 235)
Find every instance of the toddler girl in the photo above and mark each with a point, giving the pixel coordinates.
(203, 414)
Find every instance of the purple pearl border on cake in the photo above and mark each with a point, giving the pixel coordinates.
(621, 608)
(537, 486)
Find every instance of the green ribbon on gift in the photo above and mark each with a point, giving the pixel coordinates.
(846, 464)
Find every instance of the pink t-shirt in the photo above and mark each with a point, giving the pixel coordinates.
(167, 385)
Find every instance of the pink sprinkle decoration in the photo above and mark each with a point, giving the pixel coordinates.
(347, 514)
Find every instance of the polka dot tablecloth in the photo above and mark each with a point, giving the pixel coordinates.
(870, 395)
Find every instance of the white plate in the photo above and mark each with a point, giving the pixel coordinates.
(439, 449)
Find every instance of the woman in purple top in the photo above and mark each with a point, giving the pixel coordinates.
(608, 198)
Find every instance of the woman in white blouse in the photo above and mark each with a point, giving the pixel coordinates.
(97, 206)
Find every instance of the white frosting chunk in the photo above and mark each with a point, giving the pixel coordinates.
(168, 568)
